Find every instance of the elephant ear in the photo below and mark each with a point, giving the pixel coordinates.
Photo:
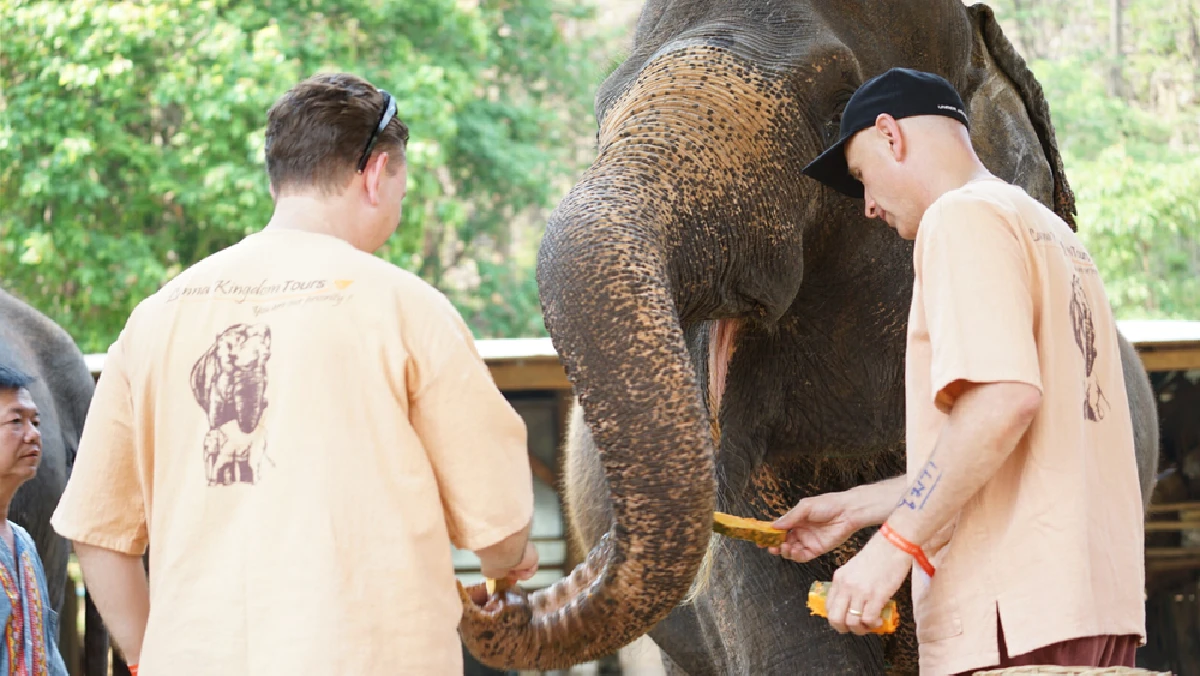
(1010, 119)
(201, 376)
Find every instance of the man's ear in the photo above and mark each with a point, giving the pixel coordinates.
(373, 175)
(889, 128)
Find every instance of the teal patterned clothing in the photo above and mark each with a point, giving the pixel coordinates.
(30, 642)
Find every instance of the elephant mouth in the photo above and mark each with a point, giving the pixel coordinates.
(496, 602)
(722, 343)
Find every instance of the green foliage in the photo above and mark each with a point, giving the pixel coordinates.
(1132, 154)
(1141, 221)
(1136, 178)
(131, 137)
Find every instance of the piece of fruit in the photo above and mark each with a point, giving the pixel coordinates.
(493, 585)
(758, 532)
(816, 603)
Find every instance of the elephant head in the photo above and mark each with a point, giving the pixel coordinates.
(734, 331)
(230, 379)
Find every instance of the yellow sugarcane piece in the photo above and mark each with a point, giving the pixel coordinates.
(758, 532)
(493, 585)
(816, 604)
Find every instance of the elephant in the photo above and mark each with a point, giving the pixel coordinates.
(734, 332)
(63, 388)
(229, 382)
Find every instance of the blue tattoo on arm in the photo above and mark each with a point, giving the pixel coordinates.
(923, 487)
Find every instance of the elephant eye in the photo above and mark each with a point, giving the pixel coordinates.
(833, 123)
(832, 127)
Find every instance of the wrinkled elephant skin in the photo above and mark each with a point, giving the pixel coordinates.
(735, 332)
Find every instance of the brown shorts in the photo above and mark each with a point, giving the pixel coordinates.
(1088, 651)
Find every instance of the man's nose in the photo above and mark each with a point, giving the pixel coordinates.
(33, 434)
(871, 210)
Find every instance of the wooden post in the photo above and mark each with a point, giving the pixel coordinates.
(68, 629)
(119, 668)
(543, 472)
(95, 641)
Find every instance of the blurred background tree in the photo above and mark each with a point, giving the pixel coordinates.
(1123, 82)
(131, 137)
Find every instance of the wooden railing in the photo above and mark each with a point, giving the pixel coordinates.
(1186, 518)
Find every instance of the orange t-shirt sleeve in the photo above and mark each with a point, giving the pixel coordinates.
(104, 503)
(978, 299)
(475, 440)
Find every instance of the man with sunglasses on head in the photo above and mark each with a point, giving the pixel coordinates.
(299, 431)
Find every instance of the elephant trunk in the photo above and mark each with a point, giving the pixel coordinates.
(647, 237)
(605, 295)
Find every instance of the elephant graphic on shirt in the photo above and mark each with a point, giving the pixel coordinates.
(229, 382)
(1095, 404)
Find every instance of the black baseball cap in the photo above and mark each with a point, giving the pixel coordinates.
(899, 92)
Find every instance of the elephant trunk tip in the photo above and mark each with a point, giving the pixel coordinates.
(551, 628)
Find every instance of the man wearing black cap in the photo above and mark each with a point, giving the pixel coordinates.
(1021, 505)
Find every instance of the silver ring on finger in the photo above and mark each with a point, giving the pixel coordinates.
(856, 613)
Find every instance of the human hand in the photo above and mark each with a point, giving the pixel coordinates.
(523, 570)
(816, 525)
(864, 585)
(528, 565)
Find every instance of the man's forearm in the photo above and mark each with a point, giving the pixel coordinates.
(117, 583)
(876, 502)
(984, 427)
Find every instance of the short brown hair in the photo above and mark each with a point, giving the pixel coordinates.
(317, 131)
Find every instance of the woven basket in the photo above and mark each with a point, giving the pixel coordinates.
(1073, 671)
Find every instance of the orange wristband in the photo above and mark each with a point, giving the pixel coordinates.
(132, 669)
(908, 548)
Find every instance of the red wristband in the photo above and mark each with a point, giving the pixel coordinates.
(132, 669)
(908, 548)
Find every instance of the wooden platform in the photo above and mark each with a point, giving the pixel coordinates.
(1176, 517)
(523, 364)
(1164, 344)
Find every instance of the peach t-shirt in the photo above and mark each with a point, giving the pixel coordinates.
(1004, 291)
(299, 431)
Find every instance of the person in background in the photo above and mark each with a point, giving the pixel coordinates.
(30, 641)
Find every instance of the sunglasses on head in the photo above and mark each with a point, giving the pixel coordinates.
(389, 111)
